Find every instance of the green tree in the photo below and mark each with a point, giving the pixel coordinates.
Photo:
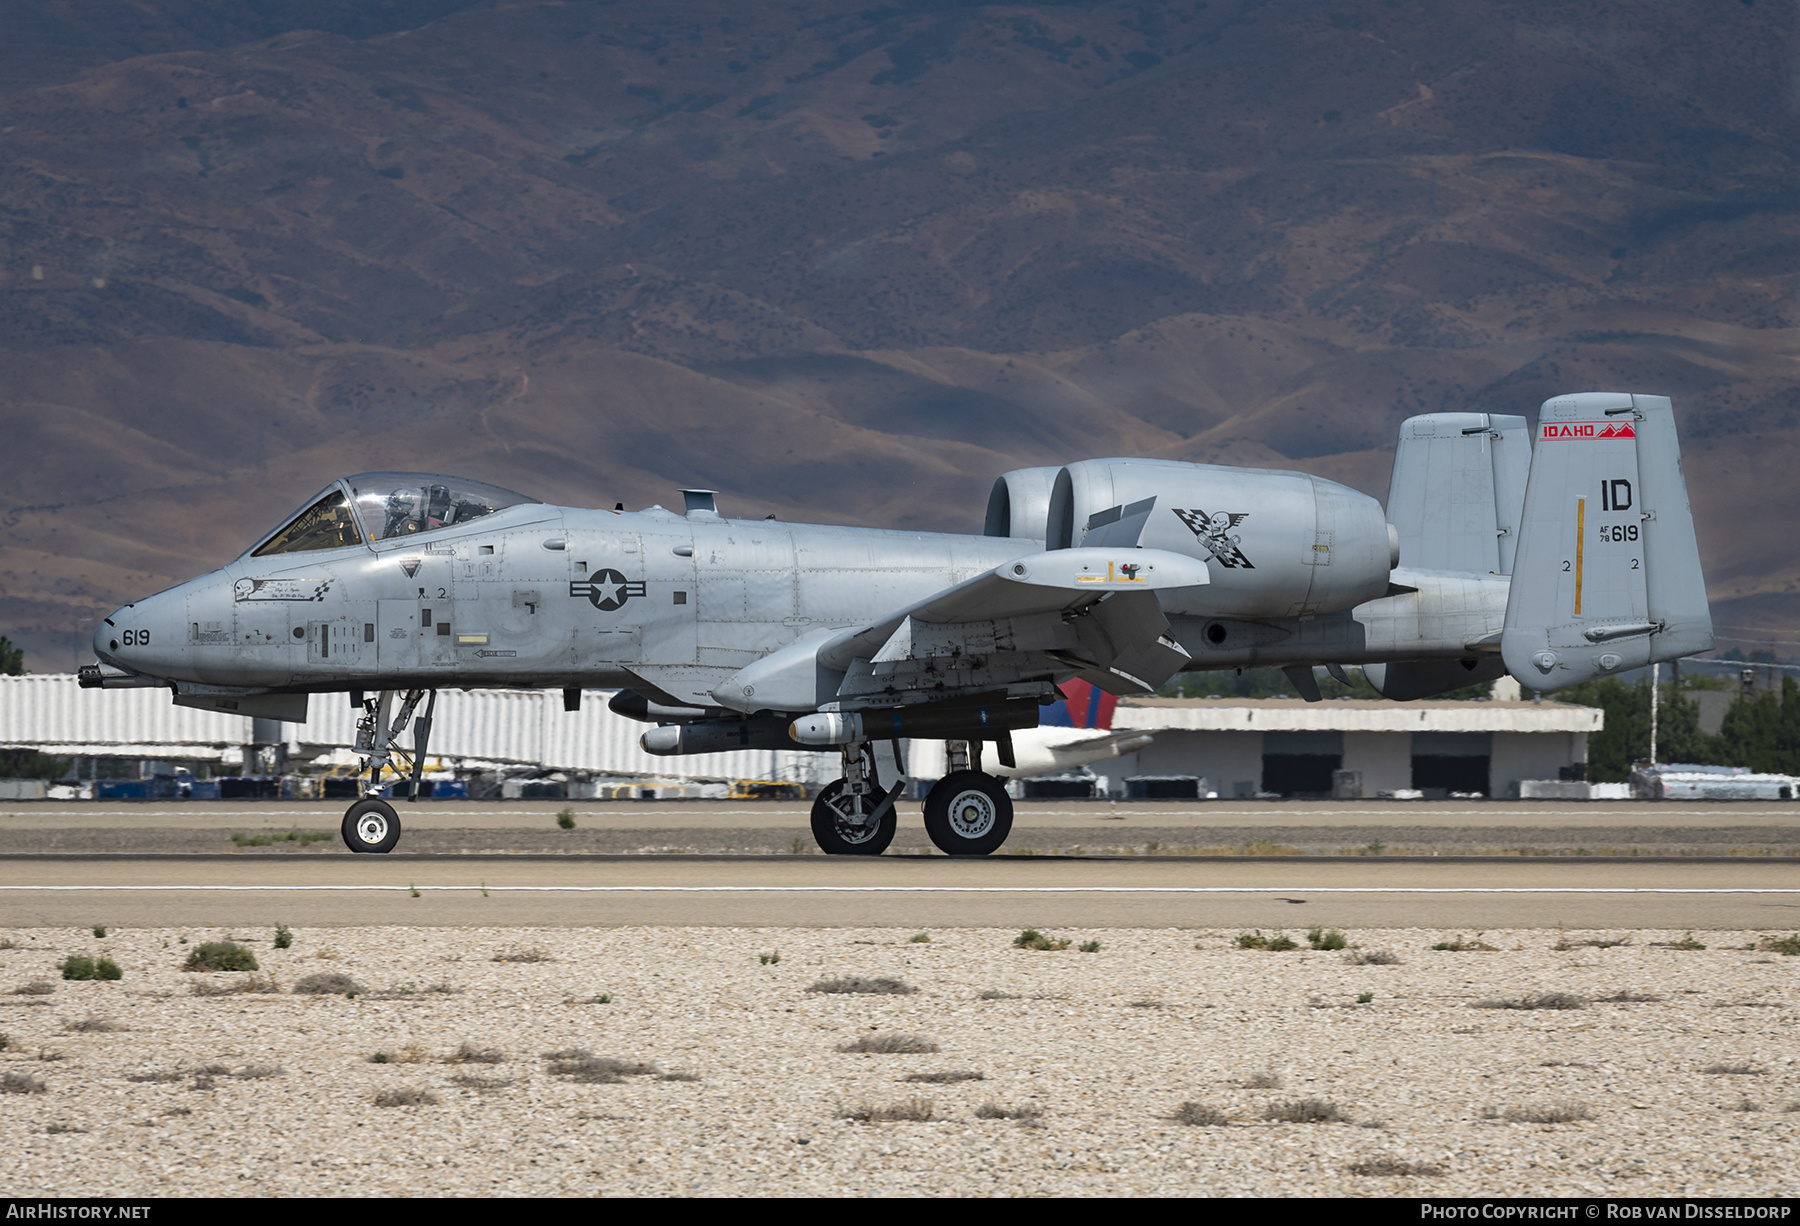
(1763, 732)
(12, 659)
(1626, 737)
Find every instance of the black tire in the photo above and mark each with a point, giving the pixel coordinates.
(968, 813)
(371, 827)
(837, 837)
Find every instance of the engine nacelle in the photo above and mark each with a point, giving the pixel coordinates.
(1020, 504)
(1278, 544)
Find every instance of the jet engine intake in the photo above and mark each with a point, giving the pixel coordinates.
(1019, 504)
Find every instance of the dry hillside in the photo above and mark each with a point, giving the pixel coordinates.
(848, 263)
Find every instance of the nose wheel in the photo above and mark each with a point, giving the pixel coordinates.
(371, 827)
(968, 813)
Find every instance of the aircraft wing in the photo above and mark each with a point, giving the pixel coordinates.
(1091, 611)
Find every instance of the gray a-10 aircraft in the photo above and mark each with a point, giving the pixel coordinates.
(1558, 562)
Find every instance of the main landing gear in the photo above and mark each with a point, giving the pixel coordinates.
(967, 812)
(854, 816)
(371, 826)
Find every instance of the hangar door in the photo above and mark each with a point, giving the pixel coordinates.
(1446, 762)
(1300, 763)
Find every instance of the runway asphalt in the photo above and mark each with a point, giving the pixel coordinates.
(1029, 815)
(1450, 895)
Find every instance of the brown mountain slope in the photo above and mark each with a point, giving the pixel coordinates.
(849, 263)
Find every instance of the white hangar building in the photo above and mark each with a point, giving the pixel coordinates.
(1289, 747)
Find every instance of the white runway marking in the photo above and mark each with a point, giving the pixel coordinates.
(915, 889)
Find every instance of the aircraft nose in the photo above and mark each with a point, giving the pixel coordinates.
(143, 637)
(105, 636)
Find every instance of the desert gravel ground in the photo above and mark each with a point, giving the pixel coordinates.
(1104, 1045)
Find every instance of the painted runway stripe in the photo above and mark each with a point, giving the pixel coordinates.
(907, 889)
(450, 809)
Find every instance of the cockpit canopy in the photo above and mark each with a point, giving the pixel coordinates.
(376, 506)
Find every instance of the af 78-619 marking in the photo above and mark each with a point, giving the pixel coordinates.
(728, 633)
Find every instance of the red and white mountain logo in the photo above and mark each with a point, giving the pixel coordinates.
(1587, 430)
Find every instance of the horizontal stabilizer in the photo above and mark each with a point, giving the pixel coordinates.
(1608, 572)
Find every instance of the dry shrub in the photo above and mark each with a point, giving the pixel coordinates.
(1305, 1111)
(258, 1072)
(469, 1081)
(1629, 997)
(1736, 1068)
(1372, 957)
(1261, 1081)
(994, 1111)
(20, 1083)
(329, 983)
(249, 985)
(56, 1130)
(1389, 1166)
(906, 1111)
(468, 1053)
(1199, 1115)
(406, 1097)
(535, 953)
(890, 1044)
(857, 985)
(1548, 1113)
(93, 1025)
(947, 1077)
(1537, 1000)
(679, 1077)
(582, 1067)
(997, 994)
(1146, 1004)
(37, 987)
(220, 956)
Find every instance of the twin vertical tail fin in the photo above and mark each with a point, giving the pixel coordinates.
(1457, 491)
(1607, 575)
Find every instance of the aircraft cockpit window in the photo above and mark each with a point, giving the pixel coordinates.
(405, 504)
(326, 524)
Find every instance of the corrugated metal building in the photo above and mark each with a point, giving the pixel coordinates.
(524, 727)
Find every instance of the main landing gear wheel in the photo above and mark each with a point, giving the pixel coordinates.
(371, 827)
(968, 813)
(835, 831)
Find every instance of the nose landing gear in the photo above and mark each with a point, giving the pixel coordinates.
(370, 825)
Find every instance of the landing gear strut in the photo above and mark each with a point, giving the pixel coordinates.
(854, 816)
(967, 812)
(370, 825)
